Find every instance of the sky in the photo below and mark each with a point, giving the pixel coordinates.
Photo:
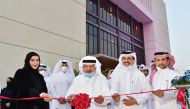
(178, 15)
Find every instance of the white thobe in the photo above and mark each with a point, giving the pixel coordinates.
(48, 85)
(130, 81)
(59, 87)
(162, 80)
(110, 105)
(147, 104)
(94, 87)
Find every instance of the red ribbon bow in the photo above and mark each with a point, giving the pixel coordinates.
(181, 97)
(81, 101)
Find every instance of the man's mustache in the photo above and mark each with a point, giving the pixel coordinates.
(160, 65)
(88, 71)
(126, 62)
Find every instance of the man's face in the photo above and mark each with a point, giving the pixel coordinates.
(89, 68)
(8, 80)
(161, 61)
(109, 74)
(42, 69)
(127, 60)
(144, 71)
(153, 67)
(64, 65)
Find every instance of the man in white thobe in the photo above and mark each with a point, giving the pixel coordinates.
(109, 84)
(126, 79)
(145, 70)
(44, 70)
(109, 78)
(91, 82)
(61, 80)
(162, 80)
(152, 71)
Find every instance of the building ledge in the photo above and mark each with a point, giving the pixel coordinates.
(107, 61)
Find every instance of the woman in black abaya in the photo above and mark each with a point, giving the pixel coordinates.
(29, 83)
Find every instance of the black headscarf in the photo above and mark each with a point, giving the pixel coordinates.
(27, 60)
(34, 74)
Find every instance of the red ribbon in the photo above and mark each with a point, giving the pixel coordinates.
(81, 101)
(181, 97)
(21, 99)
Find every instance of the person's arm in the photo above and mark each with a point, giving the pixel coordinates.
(22, 84)
(44, 94)
(114, 84)
(105, 92)
(34, 92)
(72, 89)
(53, 86)
(142, 98)
(44, 84)
(3, 101)
(115, 88)
(169, 95)
(20, 81)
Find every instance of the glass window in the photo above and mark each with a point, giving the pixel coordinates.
(109, 45)
(87, 44)
(92, 6)
(92, 39)
(95, 40)
(92, 19)
(108, 27)
(101, 42)
(140, 55)
(124, 22)
(118, 30)
(108, 11)
(137, 30)
(125, 36)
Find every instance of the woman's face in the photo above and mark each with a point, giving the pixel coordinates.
(34, 62)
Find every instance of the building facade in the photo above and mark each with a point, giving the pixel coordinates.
(71, 29)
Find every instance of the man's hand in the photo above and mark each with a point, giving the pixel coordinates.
(46, 97)
(158, 93)
(99, 99)
(8, 105)
(116, 97)
(70, 98)
(130, 102)
(62, 100)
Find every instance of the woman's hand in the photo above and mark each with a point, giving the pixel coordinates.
(46, 97)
